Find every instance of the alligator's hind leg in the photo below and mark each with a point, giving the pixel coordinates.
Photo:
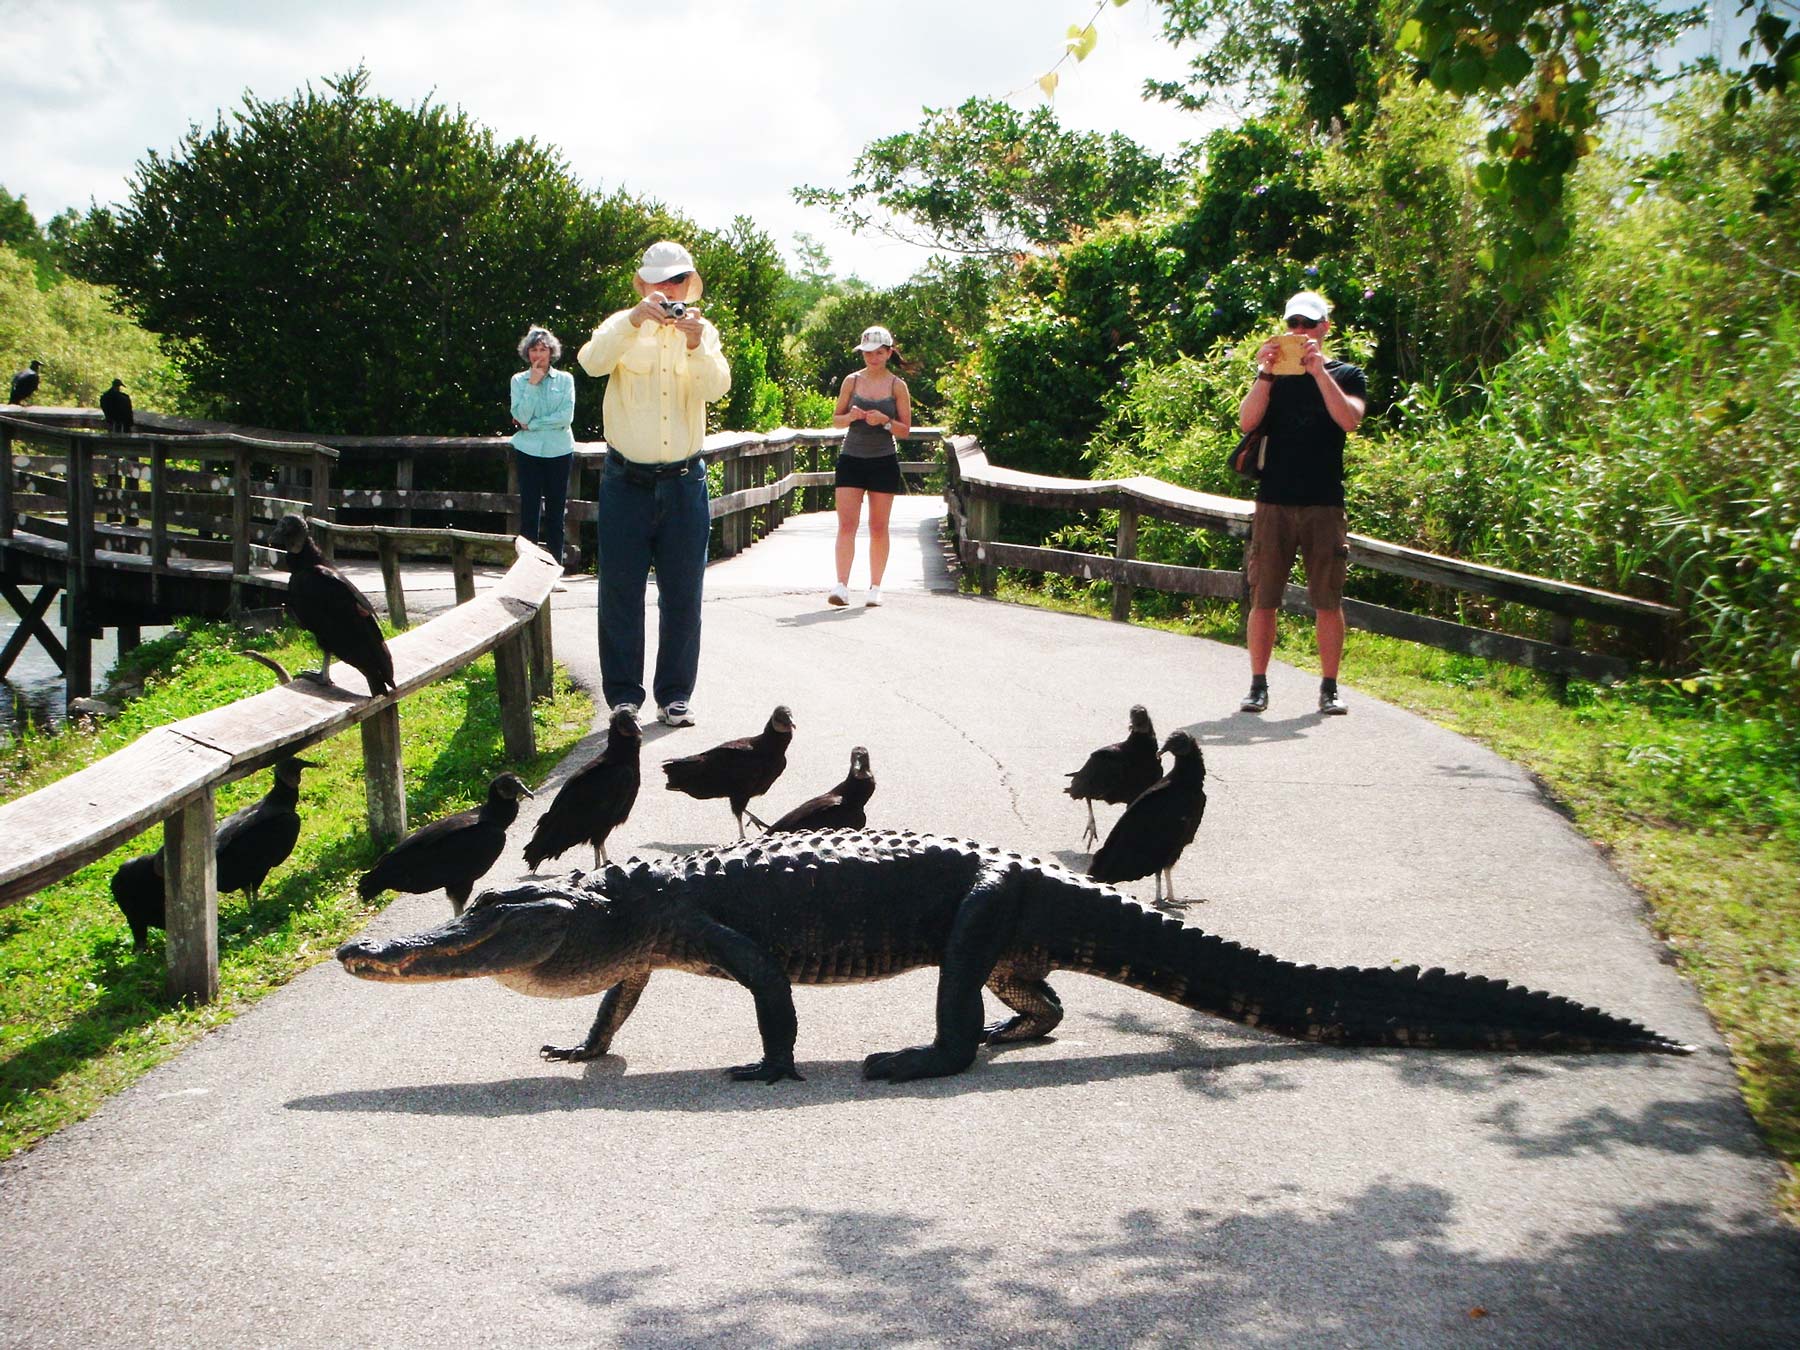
(614, 1009)
(1035, 1002)
(986, 921)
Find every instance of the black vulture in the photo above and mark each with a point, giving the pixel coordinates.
(254, 841)
(25, 383)
(595, 800)
(247, 846)
(1158, 824)
(115, 407)
(1117, 773)
(839, 809)
(737, 770)
(137, 889)
(453, 853)
(327, 604)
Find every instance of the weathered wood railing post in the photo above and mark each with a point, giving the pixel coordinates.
(462, 569)
(984, 524)
(6, 483)
(514, 517)
(78, 672)
(731, 528)
(403, 484)
(543, 659)
(384, 781)
(388, 550)
(1125, 550)
(513, 682)
(240, 526)
(321, 500)
(191, 899)
(159, 519)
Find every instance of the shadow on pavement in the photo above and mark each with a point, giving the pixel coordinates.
(1387, 1265)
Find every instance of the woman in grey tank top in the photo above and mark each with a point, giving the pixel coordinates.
(874, 408)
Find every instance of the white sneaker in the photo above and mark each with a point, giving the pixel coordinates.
(677, 714)
(631, 708)
(874, 597)
(839, 596)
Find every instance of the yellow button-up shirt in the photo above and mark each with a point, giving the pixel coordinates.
(655, 406)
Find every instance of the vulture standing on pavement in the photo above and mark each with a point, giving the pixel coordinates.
(1158, 824)
(595, 800)
(25, 383)
(327, 604)
(1117, 773)
(736, 770)
(839, 809)
(453, 853)
(115, 407)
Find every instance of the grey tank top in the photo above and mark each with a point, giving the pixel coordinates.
(862, 441)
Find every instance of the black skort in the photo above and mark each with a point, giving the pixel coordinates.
(880, 474)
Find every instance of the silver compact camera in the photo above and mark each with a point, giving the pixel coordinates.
(675, 309)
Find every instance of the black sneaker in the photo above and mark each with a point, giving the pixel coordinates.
(1330, 705)
(1257, 700)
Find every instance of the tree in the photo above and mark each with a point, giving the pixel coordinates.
(1334, 51)
(986, 179)
(338, 262)
(19, 231)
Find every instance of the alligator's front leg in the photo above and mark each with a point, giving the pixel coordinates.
(614, 1009)
(766, 979)
(986, 921)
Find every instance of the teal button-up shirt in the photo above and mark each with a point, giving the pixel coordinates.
(547, 410)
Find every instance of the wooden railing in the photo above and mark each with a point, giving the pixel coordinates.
(472, 481)
(976, 490)
(170, 774)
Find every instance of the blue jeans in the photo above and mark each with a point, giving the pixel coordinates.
(543, 488)
(638, 525)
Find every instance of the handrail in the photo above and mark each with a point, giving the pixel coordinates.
(978, 487)
(170, 774)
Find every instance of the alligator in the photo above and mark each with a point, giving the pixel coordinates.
(851, 906)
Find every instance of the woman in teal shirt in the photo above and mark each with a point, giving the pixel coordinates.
(543, 410)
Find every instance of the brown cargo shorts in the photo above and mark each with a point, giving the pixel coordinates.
(1318, 534)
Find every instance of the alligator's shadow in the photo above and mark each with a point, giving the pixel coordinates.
(604, 1085)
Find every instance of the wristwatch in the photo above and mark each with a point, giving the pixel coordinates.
(1264, 377)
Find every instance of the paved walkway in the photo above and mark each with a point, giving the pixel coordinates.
(355, 1164)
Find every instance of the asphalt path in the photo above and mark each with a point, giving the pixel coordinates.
(353, 1164)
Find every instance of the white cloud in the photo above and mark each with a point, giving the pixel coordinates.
(716, 109)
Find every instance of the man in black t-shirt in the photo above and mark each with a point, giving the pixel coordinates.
(1300, 497)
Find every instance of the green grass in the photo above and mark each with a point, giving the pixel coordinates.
(1698, 808)
(83, 1015)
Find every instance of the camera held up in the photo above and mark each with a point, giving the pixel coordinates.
(675, 309)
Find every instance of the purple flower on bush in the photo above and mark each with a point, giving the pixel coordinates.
(1312, 271)
(1259, 189)
(1368, 295)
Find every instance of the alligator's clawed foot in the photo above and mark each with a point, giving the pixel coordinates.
(765, 1071)
(922, 1061)
(570, 1054)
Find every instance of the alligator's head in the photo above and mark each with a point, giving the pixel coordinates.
(504, 931)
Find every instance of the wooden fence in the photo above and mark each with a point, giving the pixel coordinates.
(977, 489)
(170, 774)
(137, 529)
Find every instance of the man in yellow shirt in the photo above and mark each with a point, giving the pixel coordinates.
(664, 365)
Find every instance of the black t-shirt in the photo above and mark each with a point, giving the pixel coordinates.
(1305, 461)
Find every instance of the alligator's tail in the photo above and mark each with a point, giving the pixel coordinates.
(1335, 1005)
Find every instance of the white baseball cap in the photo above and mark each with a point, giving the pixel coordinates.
(664, 259)
(1307, 305)
(874, 338)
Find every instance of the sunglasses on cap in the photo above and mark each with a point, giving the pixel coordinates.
(1301, 321)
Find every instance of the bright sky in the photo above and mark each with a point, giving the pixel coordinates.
(714, 107)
